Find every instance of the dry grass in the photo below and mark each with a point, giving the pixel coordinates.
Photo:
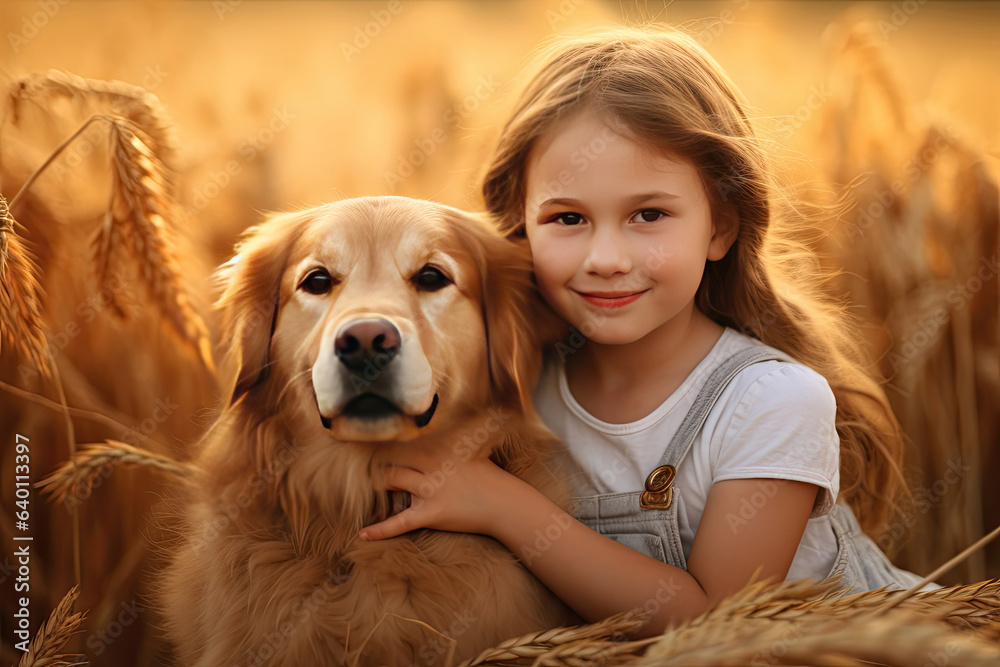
(45, 649)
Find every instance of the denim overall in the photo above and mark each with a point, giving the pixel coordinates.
(646, 521)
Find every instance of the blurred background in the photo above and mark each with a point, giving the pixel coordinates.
(255, 106)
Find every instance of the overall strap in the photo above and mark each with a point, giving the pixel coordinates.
(707, 397)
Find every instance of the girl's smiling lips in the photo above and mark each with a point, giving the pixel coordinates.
(611, 299)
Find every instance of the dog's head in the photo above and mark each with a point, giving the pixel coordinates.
(379, 317)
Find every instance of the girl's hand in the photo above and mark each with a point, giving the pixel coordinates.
(446, 493)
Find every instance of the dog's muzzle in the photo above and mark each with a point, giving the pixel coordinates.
(366, 348)
(373, 406)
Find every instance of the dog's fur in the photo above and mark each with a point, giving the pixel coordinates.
(270, 571)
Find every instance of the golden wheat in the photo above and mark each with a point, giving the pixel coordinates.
(141, 204)
(133, 103)
(801, 622)
(591, 644)
(21, 323)
(779, 624)
(76, 476)
(45, 647)
(902, 638)
(912, 254)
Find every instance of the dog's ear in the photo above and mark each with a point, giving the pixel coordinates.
(251, 293)
(518, 323)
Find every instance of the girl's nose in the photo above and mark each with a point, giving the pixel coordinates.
(607, 253)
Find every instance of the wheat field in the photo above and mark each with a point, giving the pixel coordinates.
(186, 120)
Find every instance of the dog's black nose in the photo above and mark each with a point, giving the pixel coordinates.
(372, 338)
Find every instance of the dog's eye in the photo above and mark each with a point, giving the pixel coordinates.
(431, 279)
(317, 282)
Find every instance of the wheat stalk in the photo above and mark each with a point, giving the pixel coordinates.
(106, 419)
(21, 323)
(952, 562)
(44, 649)
(76, 476)
(590, 644)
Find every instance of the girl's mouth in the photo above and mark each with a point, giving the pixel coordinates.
(611, 299)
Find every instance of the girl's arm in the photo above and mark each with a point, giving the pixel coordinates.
(597, 576)
(593, 574)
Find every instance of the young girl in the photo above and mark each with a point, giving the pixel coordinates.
(708, 408)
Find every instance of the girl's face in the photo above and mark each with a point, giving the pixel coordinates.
(619, 233)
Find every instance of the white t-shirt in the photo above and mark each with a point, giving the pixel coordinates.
(774, 420)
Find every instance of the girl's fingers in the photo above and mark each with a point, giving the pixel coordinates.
(405, 454)
(397, 524)
(398, 478)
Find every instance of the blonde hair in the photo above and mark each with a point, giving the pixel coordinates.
(665, 89)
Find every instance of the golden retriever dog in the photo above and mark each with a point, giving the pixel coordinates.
(353, 328)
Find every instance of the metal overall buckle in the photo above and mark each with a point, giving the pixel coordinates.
(659, 490)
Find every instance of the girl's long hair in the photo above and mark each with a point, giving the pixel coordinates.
(666, 91)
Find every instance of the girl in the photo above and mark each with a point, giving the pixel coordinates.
(709, 410)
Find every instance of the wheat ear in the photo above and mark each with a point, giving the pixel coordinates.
(76, 476)
(901, 638)
(141, 203)
(592, 644)
(44, 649)
(129, 101)
(21, 323)
(974, 606)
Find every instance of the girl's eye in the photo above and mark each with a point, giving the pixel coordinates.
(569, 219)
(318, 281)
(430, 279)
(648, 215)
